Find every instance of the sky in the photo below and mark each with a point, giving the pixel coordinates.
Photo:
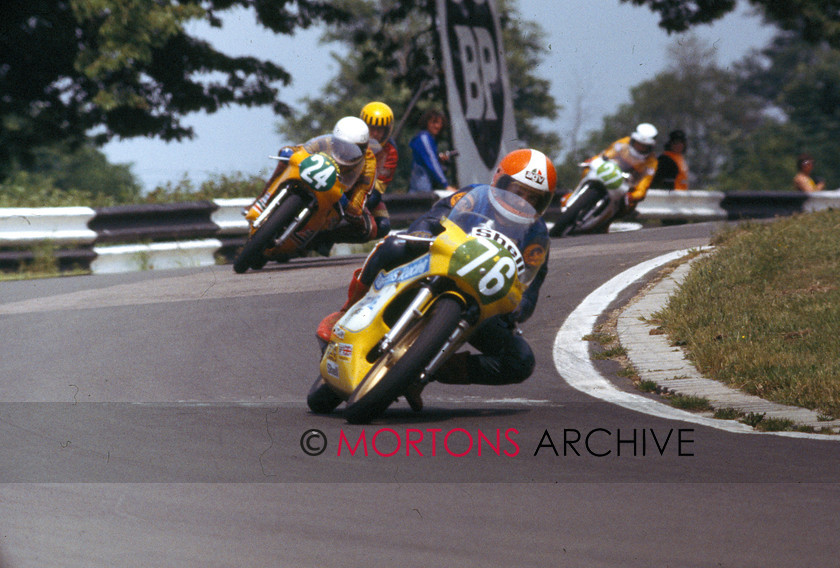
(596, 50)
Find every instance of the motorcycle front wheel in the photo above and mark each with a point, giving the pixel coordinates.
(585, 199)
(252, 253)
(321, 398)
(396, 369)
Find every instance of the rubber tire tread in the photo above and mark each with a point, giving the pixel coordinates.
(443, 318)
(565, 223)
(321, 398)
(253, 248)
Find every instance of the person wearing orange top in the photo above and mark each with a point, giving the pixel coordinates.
(672, 170)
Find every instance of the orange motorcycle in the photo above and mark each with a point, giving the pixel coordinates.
(303, 201)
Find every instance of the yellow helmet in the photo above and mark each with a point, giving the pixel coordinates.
(378, 115)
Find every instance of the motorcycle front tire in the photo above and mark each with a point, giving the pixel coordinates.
(321, 398)
(588, 196)
(252, 253)
(404, 362)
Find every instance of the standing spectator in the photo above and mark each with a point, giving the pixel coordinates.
(426, 168)
(803, 180)
(672, 171)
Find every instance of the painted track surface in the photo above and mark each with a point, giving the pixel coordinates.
(156, 419)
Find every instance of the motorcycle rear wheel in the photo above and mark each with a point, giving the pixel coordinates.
(395, 370)
(587, 197)
(321, 398)
(252, 253)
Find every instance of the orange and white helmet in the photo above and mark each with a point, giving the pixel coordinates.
(529, 174)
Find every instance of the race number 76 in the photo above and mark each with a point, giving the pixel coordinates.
(496, 277)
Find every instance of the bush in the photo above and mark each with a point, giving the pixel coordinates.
(25, 189)
(217, 187)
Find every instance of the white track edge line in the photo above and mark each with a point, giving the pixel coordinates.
(573, 363)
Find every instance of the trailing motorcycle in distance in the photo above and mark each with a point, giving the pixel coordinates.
(417, 315)
(304, 200)
(597, 199)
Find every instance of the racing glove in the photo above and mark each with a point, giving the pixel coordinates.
(284, 154)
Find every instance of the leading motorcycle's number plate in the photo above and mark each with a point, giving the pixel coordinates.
(319, 171)
(483, 264)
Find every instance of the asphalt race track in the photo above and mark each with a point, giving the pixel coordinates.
(159, 419)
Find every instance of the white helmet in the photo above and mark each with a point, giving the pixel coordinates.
(349, 141)
(642, 141)
(352, 129)
(645, 134)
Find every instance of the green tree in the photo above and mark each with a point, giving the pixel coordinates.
(798, 85)
(61, 176)
(86, 169)
(811, 20)
(679, 16)
(692, 94)
(391, 56)
(763, 161)
(72, 68)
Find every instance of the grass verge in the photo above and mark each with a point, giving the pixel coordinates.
(43, 264)
(762, 313)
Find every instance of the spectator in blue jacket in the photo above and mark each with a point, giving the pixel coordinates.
(427, 170)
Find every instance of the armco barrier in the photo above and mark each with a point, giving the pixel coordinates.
(155, 256)
(170, 221)
(228, 215)
(680, 205)
(62, 225)
(195, 233)
(715, 205)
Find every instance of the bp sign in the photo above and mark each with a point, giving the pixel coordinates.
(480, 107)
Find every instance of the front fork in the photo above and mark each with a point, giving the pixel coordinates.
(413, 311)
(268, 208)
(299, 220)
(452, 344)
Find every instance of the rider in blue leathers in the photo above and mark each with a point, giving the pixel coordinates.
(505, 355)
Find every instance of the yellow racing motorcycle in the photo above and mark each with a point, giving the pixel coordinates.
(300, 203)
(417, 315)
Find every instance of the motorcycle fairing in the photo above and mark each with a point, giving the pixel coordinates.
(610, 174)
(403, 273)
(481, 264)
(385, 287)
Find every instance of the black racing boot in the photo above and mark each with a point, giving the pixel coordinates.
(454, 371)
